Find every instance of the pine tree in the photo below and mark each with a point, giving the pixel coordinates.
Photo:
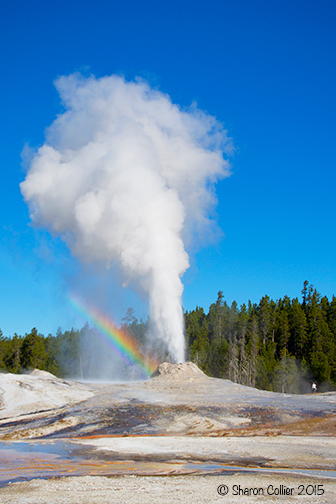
(252, 346)
(33, 351)
(13, 355)
(297, 344)
(3, 350)
(320, 338)
(242, 329)
(264, 317)
(282, 332)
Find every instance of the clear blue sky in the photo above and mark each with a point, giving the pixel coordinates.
(266, 69)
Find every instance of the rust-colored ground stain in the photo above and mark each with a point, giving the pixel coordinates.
(21, 461)
(16, 464)
(316, 426)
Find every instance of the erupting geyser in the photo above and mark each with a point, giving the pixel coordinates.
(124, 176)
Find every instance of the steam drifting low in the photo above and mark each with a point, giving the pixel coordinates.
(125, 176)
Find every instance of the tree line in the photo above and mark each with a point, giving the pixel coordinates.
(281, 345)
(58, 354)
(78, 353)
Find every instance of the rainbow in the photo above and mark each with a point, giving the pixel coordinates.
(122, 343)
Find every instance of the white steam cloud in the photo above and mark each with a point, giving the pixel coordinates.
(123, 175)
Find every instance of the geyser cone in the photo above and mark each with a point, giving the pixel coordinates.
(182, 371)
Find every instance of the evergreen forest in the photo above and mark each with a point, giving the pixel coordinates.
(283, 345)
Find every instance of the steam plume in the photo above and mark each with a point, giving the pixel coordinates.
(123, 175)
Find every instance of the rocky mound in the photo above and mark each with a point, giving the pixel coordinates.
(41, 374)
(22, 394)
(187, 371)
